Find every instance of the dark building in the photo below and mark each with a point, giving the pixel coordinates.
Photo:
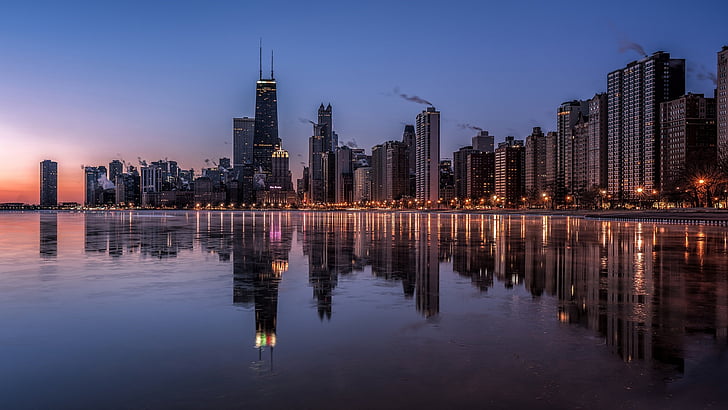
(460, 169)
(115, 168)
(48, 183)
(634, 95)
(243, 134)
(128, 188)
(536, 161)
(575, 154)
(410, 140)
(688, 136)
(480, 176)
(483, 142)
(568, 114)
(265, 130)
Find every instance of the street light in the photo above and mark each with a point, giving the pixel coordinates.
(639, 197)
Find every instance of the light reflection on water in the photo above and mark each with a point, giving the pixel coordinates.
(230, 309)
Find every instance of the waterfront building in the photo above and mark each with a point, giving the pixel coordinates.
(265, 129)
(634, 95)
(460, 170)
(510, 164)
(390, 171)
(568, 114)
(722, 102)
(428, 156)
(536, 178)
(596, 160)
(243, 137)
(688, 136)
(115, 168)
(363, 184)
(48, 183)
(480, 176)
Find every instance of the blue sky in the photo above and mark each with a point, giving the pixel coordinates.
(86, 82)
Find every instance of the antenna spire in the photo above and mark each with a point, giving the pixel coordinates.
(271, 64)
(260, 57)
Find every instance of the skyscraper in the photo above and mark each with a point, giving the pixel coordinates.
(596, 173)
(409, 139)
(243, 134)
(48, 183)
(326, 128)
(634, 95)
(568, 114)
(536, 161)
(460, 169)
(428, 156)
(265, 132)
(115, 168)
(722, 102)
(390, 171)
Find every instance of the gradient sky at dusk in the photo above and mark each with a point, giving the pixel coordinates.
(88, 82)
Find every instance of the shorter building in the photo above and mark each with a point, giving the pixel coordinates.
(688, 136)
(363, 184)
(480, 177)
(483, 142)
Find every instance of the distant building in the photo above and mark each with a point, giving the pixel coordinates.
(428, 156)
(483, 142)
(344, 175)
(596, 160)
(480, 176)
(243, 130)
(634, 95)
(410, 140)
(390, 171)
(537, 179)
(128, 188)
(91, 186)
(509, 172)
(688, 136)
(568, 114)
(722, 102)
(115, 168)
(48, 183)
(363, 184)
(280, 178)
(460, 169)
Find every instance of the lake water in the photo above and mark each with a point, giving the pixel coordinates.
(359, 310)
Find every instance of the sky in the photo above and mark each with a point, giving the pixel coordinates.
(86, 82)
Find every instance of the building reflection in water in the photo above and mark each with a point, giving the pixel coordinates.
(48, 236)
(644, 288)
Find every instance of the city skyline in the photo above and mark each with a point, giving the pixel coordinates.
(96, 105)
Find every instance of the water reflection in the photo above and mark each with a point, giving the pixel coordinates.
(645, 289)
(48, 237)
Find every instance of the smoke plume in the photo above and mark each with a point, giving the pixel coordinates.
(352, 143)
(704, 74)
(625, 45)
(142, 162)
(306, 121)
(469, 127)
(412, 98)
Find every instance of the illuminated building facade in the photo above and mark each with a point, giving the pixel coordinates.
(634, 94)
(722, 102)
(265, 129)
(510, 161)
(428, 156)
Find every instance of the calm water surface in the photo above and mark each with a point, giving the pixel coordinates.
(359, 310)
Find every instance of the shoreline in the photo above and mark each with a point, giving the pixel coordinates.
(680, 215)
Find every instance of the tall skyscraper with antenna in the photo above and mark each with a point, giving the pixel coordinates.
(265, 132)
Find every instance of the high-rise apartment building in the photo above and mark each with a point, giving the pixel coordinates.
(243, 137)
(460, 169)
(428, 156)
(48, 183)
(363, 184)
(536, 178)
(280, 177)
(409, 139)
(596, 161)
(634, 94)
(510, 161)
(480, 176)
(344, 175)
(568, 114)
(390, 171)
(688, 136)
(722, 102)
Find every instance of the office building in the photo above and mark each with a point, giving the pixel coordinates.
(265, 129)
(362, 184)
(390, 171)
(634, 94)
(115, 168)
(243, 137)
(428, 156)
(460, 170)
(480, 177)
(48, 183)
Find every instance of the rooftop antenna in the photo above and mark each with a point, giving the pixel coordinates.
(271, 64)
(260, 57)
